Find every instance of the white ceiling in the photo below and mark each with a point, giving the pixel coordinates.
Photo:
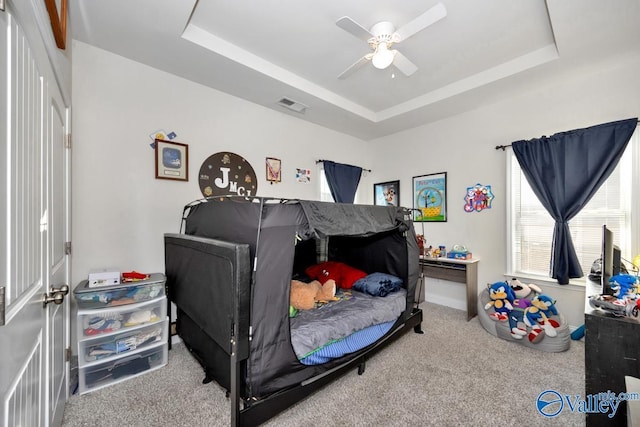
(265, 50)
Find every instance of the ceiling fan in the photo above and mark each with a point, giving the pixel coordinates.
(383, 35)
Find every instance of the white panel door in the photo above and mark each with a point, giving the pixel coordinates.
(22, 335)
(57, 233)
(33, 227)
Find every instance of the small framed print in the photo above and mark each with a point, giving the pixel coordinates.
(430, 197)
(172, 160)
(386, 193)
(274, 170)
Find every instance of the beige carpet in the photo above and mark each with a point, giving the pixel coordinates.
(455, 374)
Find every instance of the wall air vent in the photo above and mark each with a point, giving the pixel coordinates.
(293, 105)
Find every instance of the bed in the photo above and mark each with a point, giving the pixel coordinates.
(229, 274)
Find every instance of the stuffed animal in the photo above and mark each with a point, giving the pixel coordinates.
(624, 287)
(303, 296)
(537, 318)
(343, 275)
(523, 295)
(502, 297)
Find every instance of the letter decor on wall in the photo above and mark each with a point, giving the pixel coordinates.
(225, 173)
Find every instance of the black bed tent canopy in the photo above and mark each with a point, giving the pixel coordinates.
(286, 236)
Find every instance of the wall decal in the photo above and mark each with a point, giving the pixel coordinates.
(226, 173)
(303, 176)
(478, 198)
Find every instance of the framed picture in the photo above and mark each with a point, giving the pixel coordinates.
(430, 197)
(172, 160)
(274, 170)
(386, 193)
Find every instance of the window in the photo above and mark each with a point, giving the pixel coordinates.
(530, 231)
(325, 193)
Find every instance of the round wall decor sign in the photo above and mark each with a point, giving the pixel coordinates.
(227, 173)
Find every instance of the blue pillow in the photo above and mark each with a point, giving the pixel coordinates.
(378, 284)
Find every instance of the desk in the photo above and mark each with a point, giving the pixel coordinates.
(612, 351)
(455, 270)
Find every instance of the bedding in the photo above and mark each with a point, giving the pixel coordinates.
(313, 329)
(378, 284)
(354, 342)
(344, 275)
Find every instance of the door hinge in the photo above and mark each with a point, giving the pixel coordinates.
(2, 305)
(67, 354)
(67, 141)
(67, 248)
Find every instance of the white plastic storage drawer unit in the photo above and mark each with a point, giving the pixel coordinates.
(118, 344)
(98, 375)
(92, 323)
(116, 295)
(123, 331)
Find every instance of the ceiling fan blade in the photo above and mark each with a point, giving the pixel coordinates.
(403, 64)
(430, 17)
(355, 67)
(351, 26)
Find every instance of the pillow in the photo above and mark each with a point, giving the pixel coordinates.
(344, 275)
(378, 284)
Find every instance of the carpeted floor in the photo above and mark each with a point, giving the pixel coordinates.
(455, 374)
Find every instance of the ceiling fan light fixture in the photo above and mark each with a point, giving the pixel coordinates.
(383, 57)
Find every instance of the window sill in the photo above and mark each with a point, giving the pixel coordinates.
(574, 284)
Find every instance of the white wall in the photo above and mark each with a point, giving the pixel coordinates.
(119, 210)
(464, 147)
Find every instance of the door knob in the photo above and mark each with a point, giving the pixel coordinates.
(63, 289)
(56, 298)
(56, 295)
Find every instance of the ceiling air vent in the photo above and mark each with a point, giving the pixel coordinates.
(293, 105)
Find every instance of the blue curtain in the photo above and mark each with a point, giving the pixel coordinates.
(343, 180)
(565, 170)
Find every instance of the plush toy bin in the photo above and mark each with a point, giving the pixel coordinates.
(117, 295)
(112, 346)
(92, 322)
(556, 344)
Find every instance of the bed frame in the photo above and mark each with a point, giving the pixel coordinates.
(212, 283)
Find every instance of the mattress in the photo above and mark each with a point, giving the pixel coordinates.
(354, 342)
(314, 329)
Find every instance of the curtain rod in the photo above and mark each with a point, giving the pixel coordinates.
(321, 161)
(504, 147)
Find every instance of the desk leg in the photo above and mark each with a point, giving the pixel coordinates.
(472, 290)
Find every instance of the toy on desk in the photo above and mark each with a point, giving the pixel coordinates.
(134, 276)
(459, 252)
(624, 287)
(421, 243)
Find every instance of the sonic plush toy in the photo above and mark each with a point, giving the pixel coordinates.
(523, 295)
(624, 286)
(502, 298)
(537, 317)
